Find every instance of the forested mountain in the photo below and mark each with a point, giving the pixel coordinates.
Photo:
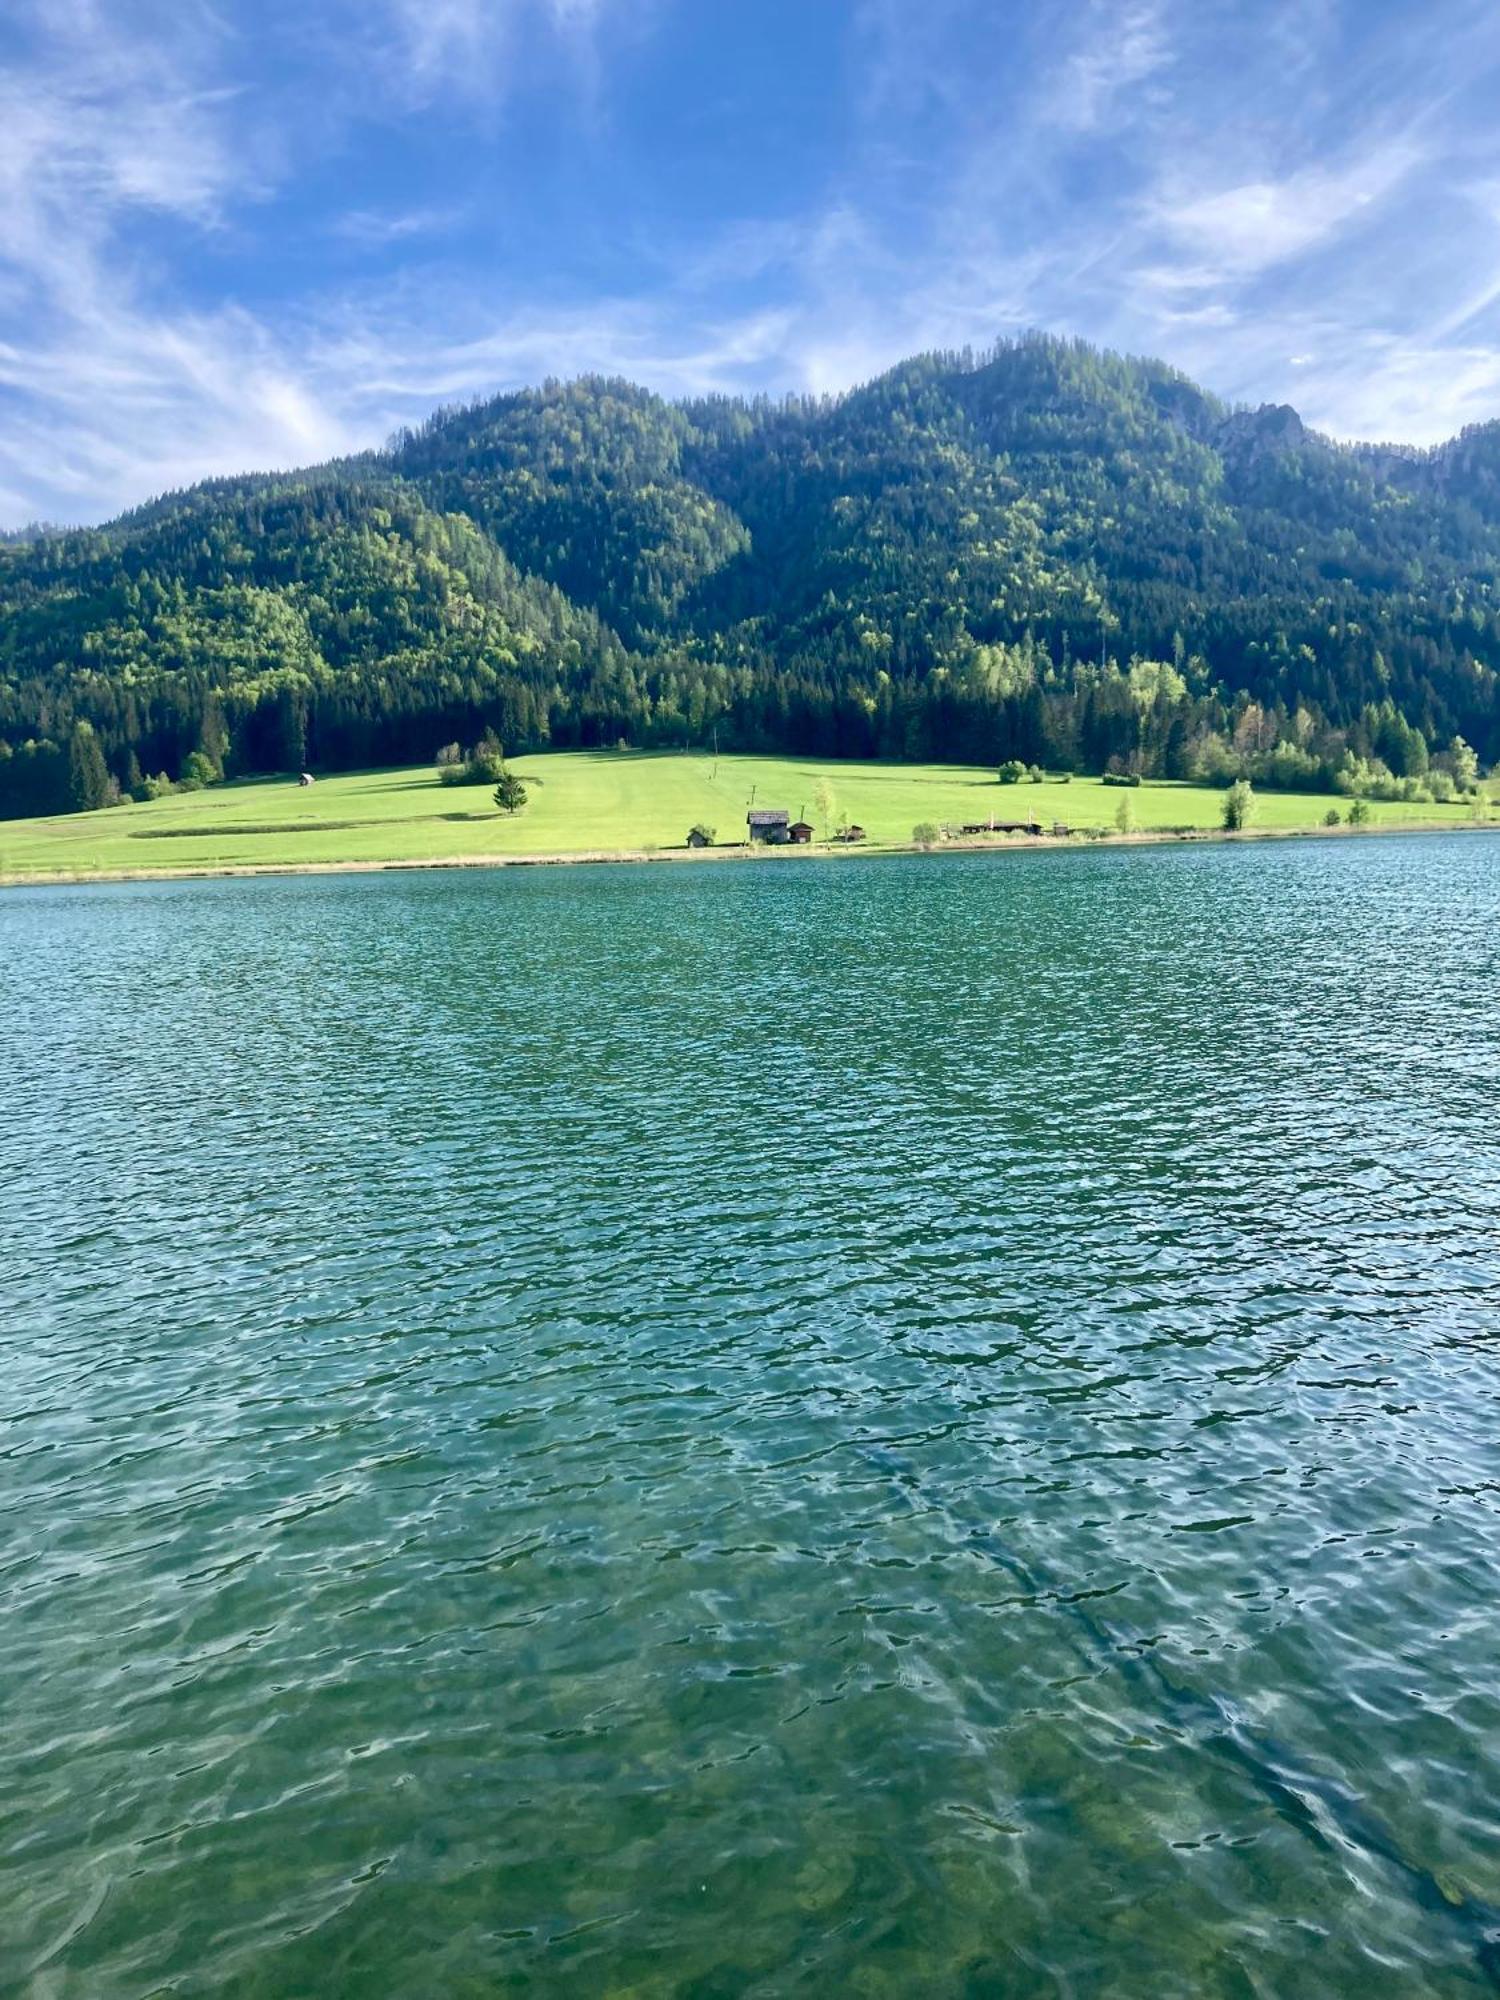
(1044, 553)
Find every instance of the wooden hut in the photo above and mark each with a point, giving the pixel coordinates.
(769, 824)
(799, 833)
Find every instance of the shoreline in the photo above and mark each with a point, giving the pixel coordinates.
(827, 851)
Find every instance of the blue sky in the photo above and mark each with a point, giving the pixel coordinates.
(259, 232)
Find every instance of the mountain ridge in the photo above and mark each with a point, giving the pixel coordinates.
(1045, 551)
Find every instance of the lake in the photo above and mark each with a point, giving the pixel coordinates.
(911, 1426)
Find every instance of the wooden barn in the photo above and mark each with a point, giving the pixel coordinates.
(799, 832)
(770, 824)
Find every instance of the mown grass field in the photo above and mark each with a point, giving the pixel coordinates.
(598, 802)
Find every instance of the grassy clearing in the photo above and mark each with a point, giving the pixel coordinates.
(597, 802)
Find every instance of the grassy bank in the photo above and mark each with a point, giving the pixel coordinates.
(598, 803)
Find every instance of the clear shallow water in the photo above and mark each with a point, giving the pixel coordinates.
(915, 1426)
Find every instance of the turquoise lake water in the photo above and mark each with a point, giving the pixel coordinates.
(906, 1427)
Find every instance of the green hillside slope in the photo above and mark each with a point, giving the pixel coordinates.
(1044, 553)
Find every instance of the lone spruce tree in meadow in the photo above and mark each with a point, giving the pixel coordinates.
(510, 793)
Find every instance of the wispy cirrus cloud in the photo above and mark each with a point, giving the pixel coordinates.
(1238, 231)
(381, 227)
(1230, 186)
(126, 406)
(1119, 49)
(428, 50)
(132, 144)
(97, 124)
(440, 43)
(106, 130)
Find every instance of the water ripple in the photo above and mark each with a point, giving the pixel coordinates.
(920, 1428)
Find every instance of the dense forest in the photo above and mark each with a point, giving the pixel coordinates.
(1042, 553)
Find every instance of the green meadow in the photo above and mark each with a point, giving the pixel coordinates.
(605, 803)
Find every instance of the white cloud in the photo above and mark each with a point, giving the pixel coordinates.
(1407, 392)
(107, 123)
(110, 392)
(448, 40)
(1120, 49)
(372, 227)
(131, 406)
(425, 49)
(95, 132)
(1242, 230)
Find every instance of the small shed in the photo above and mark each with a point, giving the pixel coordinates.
(799, 832)
(850, 835)
(698, 838)
(769, 824)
